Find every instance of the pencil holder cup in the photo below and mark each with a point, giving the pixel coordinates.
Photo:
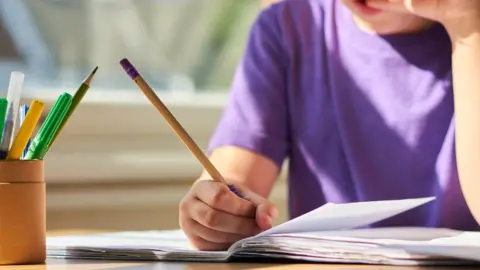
(22, 212)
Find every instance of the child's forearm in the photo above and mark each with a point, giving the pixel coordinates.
(466, 84)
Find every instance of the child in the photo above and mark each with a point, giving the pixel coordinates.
(359, 96)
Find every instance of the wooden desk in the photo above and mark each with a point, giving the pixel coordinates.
(57, 264)
(53, 264)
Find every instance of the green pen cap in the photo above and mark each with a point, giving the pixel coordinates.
(3, 105)
(3, 108)
(3, 114)
(39, 145)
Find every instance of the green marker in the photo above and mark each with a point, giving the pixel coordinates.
(40, 144)
(3, 113)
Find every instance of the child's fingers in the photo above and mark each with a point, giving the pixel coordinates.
(218, 196)
(221, 221)
(266, 215)
(266, 212)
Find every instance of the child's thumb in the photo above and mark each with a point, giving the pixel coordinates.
(266, 212)
(265, 215)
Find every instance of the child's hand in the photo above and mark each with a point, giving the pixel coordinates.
(213, 217)
(447, 12)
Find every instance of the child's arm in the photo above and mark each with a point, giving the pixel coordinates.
(466, 83)
(461, 18)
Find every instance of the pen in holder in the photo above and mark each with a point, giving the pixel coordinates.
(22, 212)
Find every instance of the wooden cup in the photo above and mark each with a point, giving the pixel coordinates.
(22, 212)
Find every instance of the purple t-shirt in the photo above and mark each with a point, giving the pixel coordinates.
(360, 117)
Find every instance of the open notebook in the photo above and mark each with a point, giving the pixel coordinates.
(327, 234)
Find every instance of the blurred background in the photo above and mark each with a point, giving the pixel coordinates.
(117, 165)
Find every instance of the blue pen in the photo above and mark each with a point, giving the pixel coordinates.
(21, 117)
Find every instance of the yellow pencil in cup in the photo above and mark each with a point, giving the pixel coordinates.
(26, 130)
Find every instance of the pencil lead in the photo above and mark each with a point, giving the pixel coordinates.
(94, 70)
(89, 79)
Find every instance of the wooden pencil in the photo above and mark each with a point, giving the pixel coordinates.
(77, 98)
(172, 121)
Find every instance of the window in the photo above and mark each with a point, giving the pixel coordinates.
(186, 49)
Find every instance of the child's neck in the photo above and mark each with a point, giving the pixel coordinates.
(392, 28)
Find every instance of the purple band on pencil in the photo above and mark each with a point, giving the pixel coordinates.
(234, 190)
(129, 68)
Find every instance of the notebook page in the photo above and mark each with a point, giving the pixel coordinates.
(163, 240)
(167, 241)
(354, 246)
(463, 239)
(422, 234)
(463, 246)
(346, 216)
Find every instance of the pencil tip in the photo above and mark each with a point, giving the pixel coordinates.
(89, 79)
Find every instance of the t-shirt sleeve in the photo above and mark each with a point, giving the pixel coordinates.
(255, 117)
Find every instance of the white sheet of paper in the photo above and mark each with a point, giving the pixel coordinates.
(463, 239)
(416, 234)
(346, 216)
(171, 239)
(463, 246)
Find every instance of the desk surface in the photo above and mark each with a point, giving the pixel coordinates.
(54, 264)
